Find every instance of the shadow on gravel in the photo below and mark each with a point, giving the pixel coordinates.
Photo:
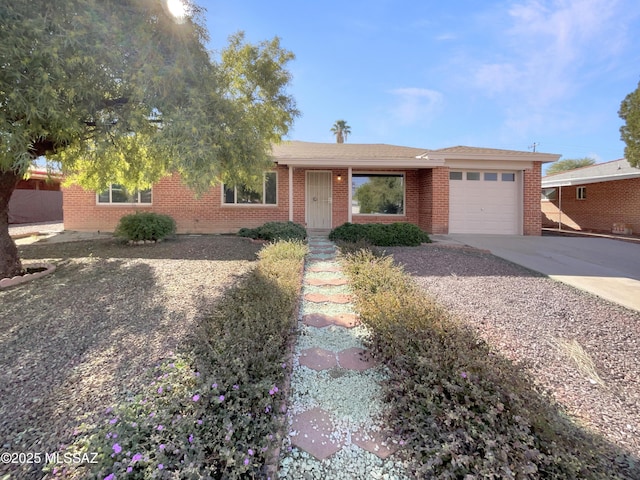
(183, 247)
(70, 343)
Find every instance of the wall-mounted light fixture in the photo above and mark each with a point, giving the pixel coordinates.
(339, 178)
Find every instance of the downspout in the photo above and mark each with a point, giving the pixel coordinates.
(290, 193)
(349, 195)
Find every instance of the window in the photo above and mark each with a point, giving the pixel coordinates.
(381, 193)
(549, 194)
(581, 193)
(490, 177)
(455, 175)
(117, 194)
(473, 175)
(265, 195)
(508, 177)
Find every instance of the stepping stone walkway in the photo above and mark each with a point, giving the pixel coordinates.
(335, 414)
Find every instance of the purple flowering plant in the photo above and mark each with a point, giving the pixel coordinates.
(204, 412)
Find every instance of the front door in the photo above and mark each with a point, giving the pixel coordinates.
(318, 199)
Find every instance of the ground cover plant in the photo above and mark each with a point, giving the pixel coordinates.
(463, 409)
(148, 226)
(271, 231)
(156, 300)
(382, 235)
(214, 411)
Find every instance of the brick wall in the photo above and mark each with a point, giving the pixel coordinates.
(606, 203)
(206, 214)
(426, 204)
(531, 219)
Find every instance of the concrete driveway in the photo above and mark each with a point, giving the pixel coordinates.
(605, 267)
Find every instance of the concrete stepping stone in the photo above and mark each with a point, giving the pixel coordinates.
(375, 442)
(320, 298)
(318, 359)
(314, 429)
(319, 282)
(320, 320)
(355, 359)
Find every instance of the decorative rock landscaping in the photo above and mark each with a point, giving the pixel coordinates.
(335, 425)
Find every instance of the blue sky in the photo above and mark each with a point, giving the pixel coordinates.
(434, 74)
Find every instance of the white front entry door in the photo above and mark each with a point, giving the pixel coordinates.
(318, 200)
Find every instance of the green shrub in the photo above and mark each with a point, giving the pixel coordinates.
(273, 231)
(382, 235)
(214, 411)
(145, 226)
(463, 410)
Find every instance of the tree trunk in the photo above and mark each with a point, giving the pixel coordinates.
(10, 265)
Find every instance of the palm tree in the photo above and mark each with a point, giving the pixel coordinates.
(341, 130)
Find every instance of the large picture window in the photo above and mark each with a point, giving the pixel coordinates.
(378, 193)
(266, 195)
(117, 194)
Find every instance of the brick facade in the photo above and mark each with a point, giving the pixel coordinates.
(426, 204)
(606, 203)
(531, 221)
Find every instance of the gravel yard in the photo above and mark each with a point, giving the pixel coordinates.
(543, 323)
(73, 341)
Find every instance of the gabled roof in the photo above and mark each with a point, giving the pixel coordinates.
(600, 172)
(296, 153)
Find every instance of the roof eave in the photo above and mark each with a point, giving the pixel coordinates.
(568, 182)
(393, 163)
(525, 157)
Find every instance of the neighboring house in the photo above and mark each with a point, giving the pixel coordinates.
(37, 199)
(323, 185)
(604, 197)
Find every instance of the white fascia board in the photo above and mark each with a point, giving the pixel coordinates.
(490, 164)
(568, 182)
(525, 157)
(358, 163)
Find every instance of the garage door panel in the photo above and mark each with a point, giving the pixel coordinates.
(481, 206)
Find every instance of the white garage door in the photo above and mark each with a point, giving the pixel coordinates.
(484, 202)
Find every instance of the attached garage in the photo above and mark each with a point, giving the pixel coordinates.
(485, 201)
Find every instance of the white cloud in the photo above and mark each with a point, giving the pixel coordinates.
(414, 104)
(443, 37)
(548, 53)
(545, 46)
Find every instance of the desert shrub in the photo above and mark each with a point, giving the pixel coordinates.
(272, 231)
(145, 226)
(215, 411)
(463, 410)
(382, 235)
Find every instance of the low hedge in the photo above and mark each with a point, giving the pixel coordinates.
(217, 410)
(382, 235)
(463, 410)
(272, 231)
(145, 226)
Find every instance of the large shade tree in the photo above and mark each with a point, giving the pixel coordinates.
(569, 164)
(121, 91)
(341, 130)
(630, 131)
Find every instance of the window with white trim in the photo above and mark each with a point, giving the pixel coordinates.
(581, 193)
(378, 193)
(117, 194)
(265, 195)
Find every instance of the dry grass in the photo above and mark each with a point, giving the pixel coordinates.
(579, 358)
